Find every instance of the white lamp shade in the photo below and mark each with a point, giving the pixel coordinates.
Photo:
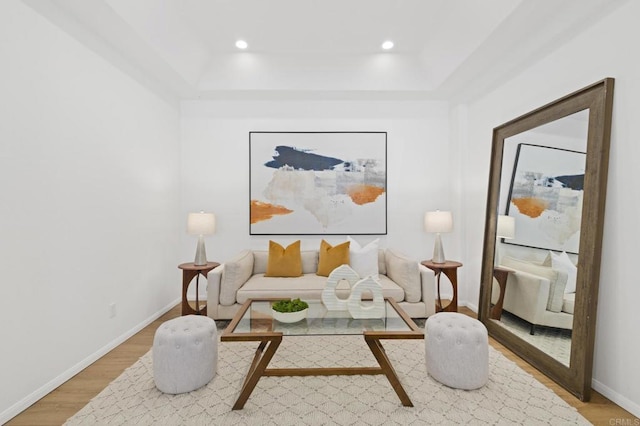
(506, 227)
(201, 223)
(438, 221)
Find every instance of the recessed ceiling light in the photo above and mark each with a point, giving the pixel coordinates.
(241, 44)
(387, 45)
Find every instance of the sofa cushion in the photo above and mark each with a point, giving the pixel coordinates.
(309, 261)
(330, 257)
(557, 279)
(382, 264)
(364, 260)
(308, 287)
(284, 262)
(236, 272)
(260, 259)
(569, 303)
(406, 273)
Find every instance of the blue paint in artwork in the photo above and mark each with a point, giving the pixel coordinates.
(301, 160)
(575, 182)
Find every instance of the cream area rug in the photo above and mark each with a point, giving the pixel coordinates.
(553, 341)
(511, 396)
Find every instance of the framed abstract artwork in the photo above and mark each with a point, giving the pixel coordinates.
(545, 197)
(317, 183)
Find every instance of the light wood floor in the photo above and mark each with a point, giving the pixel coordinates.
(56, 407)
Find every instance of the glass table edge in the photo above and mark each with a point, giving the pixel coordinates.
(230, 333)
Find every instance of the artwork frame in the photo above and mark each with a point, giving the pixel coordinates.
(317, 183)
(546, 197)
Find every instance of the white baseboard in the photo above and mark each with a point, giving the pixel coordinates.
(30, 399)
(471, 306)
(614, 396)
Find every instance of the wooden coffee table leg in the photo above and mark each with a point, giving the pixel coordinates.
(387, 369)
(258, 366)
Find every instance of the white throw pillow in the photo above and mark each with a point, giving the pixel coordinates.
(364, 260)
(562, 262)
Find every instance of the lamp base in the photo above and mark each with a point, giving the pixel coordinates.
(438, 251)
(201, 253)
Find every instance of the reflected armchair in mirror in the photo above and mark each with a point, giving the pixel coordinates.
(535, 293)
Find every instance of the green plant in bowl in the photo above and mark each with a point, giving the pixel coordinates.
(294, 305)
(289, 311)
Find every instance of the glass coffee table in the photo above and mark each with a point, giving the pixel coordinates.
(254, 322)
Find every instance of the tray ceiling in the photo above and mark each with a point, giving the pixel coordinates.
(444, 49)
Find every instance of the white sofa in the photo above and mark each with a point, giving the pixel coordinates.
(535, 293)
(233, 282)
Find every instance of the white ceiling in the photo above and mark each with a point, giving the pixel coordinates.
(319, 49)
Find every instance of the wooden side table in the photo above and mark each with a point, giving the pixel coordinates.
(189, 271)
(450, 269)
(501, 275)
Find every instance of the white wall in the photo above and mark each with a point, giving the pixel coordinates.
(215, 160)
(89, 177)
(90, 170)
(604, 50)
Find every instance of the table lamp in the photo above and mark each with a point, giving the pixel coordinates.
(201, 224)
(438, 222)
(506, 229)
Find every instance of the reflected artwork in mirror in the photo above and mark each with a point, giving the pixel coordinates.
(544, 223)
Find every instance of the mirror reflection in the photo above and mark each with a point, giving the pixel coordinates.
(548, 180)
(538, 233)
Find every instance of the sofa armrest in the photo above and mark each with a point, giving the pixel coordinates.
(428, 285)
(236, 272)
(526, 295)
(214, 278)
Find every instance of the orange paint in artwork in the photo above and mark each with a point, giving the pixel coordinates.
(532, 207)
(264, 211)
(363, 194)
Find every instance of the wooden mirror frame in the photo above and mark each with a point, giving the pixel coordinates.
(598, 99)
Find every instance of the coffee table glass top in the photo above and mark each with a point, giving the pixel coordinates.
(319, 321)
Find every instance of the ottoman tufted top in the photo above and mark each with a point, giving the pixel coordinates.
(187, 329)
(455, 319)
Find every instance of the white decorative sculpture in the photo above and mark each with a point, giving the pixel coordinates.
(360, 310)
(329, 296)
(354, 303)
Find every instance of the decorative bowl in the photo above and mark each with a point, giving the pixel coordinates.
(289, 317)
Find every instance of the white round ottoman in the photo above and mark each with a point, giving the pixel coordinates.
(457, 350)
(185, 353)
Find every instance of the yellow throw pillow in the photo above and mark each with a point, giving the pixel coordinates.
(284, 262)
(331, 257)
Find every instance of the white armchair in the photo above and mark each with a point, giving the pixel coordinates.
(535, 293)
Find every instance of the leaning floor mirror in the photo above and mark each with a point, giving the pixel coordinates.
(543, 233)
